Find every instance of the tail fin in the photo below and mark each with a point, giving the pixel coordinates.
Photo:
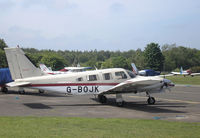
(181, 71)
(19, 65)
(44, 68)
(134, 68)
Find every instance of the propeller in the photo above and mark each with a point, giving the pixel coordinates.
(167, 84)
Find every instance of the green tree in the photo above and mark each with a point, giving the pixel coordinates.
(3, 61)
(119, 62)
(54, 61)
(2, 44)
(115, 62)
(35, 58)
(154, 57)
(107, 64)
(179, 56)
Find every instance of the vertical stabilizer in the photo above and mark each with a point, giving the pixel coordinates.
(181, 71)
(134, 68)
(19, 65)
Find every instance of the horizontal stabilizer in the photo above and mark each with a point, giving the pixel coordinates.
(17, 84)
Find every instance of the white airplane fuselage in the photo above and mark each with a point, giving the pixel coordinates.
(80, 83)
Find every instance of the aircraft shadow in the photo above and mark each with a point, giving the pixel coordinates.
(141, 106)
(37, 106)
(78, 105)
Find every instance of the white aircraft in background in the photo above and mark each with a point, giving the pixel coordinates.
(145, 72)
(96, 82)
(185, 72)
(77, 69)
(62, 71)
(49, 70)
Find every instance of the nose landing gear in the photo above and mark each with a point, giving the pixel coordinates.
(150, 100)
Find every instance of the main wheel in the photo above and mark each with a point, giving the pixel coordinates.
(21, 91)
(4, 89)
(41, 91)
(120, 104)
(151, 100)
(102, 98)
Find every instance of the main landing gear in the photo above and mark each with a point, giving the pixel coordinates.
(150, 100)
(4, 90)
(41, 91)
(21, 90)
(119, 100)
(102, 98)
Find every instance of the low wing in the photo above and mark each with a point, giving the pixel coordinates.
(167, 75)
(17, 84)
(134, 85)
(176, 73)
(180, 73)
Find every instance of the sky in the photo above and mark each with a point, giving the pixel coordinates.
(99, 24)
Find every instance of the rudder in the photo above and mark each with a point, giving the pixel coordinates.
(19, 65)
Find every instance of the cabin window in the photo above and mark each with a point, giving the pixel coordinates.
(120, 75)
(107, 76)
(92, 77)
(80, 79)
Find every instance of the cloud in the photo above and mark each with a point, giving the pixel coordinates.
(117, 7)
(99, 24)
(6, 5)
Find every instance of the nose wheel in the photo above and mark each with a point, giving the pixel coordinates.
(151, 100)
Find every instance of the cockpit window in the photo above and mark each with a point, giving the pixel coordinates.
(121, 74)
(131, 74)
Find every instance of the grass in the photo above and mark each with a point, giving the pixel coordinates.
(54, 127)
(188, 80)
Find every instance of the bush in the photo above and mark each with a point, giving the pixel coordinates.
(195, 69)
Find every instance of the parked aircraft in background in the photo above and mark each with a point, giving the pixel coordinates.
(146, 72)
(49, 71)
(96, 82)
(185, 72)
(154, 73)
(62, 71)
(182, 72)
(77, 69)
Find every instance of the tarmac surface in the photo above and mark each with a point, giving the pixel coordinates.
(181, 104)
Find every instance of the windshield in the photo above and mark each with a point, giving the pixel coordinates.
(131, 74)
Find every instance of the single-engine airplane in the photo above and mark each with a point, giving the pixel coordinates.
(182, 72)
(185, 73)
(147, 72)
(96, 82)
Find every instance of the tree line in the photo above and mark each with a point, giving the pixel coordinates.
(166, 58)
